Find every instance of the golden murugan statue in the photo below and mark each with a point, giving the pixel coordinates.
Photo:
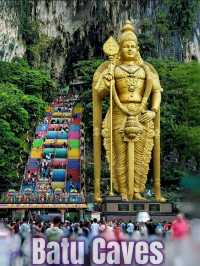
(131, 128)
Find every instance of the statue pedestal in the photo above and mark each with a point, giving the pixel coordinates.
(113, 208)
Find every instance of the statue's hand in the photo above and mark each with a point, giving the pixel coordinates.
(108, 79)
(146, 116)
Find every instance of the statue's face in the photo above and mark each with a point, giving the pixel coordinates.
(129, 50)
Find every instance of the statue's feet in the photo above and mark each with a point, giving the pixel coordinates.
(138, 196)
(161, 199)
(124, 196)
(130, 196)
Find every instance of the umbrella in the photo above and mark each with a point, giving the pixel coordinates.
(142, 217)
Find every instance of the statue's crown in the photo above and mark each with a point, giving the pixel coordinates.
(128, 26)
(128, 32)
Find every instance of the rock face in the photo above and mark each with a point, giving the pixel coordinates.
(60, 32)
(10, 42)
(193, 46)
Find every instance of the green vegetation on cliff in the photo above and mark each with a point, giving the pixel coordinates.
(171, 25)
(180, 119)
(24, 92)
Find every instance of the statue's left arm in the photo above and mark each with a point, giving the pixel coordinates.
(156, 89)
(156, 94)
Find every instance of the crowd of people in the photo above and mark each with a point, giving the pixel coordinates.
(181, 237)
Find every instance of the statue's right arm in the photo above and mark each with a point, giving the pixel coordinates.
(99, 85)
(99, 91)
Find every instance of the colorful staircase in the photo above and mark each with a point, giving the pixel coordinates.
(54, 170)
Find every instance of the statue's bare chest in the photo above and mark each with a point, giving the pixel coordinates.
(129, 78)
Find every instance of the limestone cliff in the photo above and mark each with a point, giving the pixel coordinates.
(55, 33)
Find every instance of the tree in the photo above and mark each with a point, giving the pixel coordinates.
(23, 91)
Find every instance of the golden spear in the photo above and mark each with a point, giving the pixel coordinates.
(111, 49)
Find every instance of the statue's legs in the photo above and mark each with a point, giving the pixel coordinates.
(120, 149)
(143, 153)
